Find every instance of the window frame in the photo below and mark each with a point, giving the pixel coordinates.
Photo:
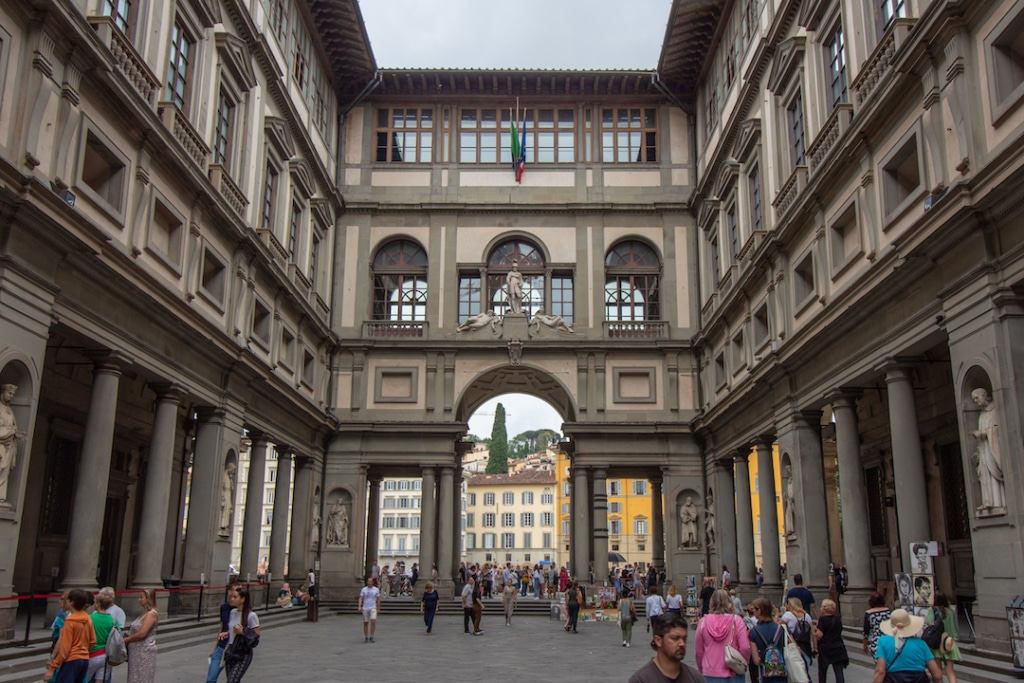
(225, 125)
(528, 119)
(117, 212)
(616, 129)
(796, 135)
(387, 281)
(639, 277)
(834, 52)
(390, 130)
(189, 34)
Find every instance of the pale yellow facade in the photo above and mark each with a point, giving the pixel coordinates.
(510, 518)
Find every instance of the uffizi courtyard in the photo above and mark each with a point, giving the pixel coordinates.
(254, 287)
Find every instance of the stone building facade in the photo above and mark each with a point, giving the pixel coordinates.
(510, 518)
(858, 166)
(801, 231)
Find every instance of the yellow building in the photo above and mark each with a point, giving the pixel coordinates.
(510, 517)
(629, 515)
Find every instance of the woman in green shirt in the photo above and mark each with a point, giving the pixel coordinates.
(103, 623)
(948, 652)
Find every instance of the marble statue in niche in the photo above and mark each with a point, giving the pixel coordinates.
(688, 523)
(988, 458)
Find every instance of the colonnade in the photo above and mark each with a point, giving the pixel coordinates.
(440, 520)
(806, 526)
(211, 498)
(589, 533)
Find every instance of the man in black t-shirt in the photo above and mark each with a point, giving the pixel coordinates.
(705, 595)
(669, 644)
(805, 596)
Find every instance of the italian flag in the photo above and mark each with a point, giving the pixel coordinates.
(518, 144)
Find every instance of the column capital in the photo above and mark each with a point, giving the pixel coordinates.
(447, 471)
(374, 479)
(284, 451)
(210, 414)
(764, 441)
(428, 471)
(168, 391)
(109, 362)
(600, 472)
(843, 398)
(724, 464)
(258, 437)
(898, 368)
(740, 455)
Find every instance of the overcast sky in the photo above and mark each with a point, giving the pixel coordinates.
(571, 34)
(522, 412)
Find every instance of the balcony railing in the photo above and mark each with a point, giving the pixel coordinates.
(636, 329)
(879, 63)
(829, 136)
(231, 193)
(126, 60)
(179, 125)
(391, 329)
(790, 190)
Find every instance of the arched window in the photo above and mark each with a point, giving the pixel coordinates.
(400, 282)
(529, 260)
(632, 271)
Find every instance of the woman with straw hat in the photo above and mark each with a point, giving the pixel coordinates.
(901, 656)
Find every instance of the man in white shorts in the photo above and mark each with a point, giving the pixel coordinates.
(369, 600)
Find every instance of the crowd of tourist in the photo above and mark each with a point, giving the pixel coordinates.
(782, 643)
(89, 638)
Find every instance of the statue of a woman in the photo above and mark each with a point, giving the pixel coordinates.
(989, 458)
(709, 520)
(227, 488)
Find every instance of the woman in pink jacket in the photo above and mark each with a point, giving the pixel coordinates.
(718, 628)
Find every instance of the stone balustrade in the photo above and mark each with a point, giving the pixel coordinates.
(127, 61)
(176, 122)
(830, 134)
(227, 188)
(880, 62)
(636, 329)
(790, 190)
(394, 328)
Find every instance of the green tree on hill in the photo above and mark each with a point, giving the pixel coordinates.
(497, 461)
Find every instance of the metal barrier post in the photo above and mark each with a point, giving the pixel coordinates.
(28, 623)
(199, 610)
(266, 599)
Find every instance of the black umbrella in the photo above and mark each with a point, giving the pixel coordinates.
(616, 557)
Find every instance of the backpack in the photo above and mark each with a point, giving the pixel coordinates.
(932, 635)
(802, 632)
(117, 651)
(773, 659)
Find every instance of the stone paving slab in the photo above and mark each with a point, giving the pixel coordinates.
(532, 649)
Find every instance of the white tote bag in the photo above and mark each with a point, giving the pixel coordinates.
(733, 659)
(796, 668)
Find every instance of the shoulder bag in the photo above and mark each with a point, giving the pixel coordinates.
(734, 660)
(796, 668)
(903, 676)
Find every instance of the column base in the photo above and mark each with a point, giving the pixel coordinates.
(772, 591)
(852, 605)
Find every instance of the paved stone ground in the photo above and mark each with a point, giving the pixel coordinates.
(532, 649)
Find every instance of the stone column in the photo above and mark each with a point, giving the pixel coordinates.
(155, 501)
(279, 522)
(807, 547)
(580, 531)
(725, 495)
(657, 524)
(93, 475)
(746, 566)
(428, 522)
(600, 525)
(252, 524)
(856, 534)
(771, 557)
(907, 461)
(372, 523)
(298, 543)
(456, 521)
(446, 524)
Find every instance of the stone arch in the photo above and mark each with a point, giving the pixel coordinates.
(637, 238)
(545, 252)
(689, 529)
(338, 531)
(20, 371)
(521, 379)
(385, 240)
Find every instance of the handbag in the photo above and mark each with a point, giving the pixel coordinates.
(796, 668)
(734, 660)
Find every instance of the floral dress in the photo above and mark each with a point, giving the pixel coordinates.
(872, 627)
(142, 654)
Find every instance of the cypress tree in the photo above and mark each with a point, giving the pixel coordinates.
(497, 460)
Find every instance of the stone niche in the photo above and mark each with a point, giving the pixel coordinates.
(634, 385)
(396, 385)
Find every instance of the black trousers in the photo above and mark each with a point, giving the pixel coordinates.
(837, 669)
(467, 618)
